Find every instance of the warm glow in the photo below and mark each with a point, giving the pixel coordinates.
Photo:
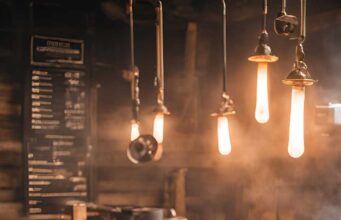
(224, 142)
(158, 128)
(134, 131)
(296, 133)
(262, 106)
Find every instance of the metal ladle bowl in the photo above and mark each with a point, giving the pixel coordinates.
(285, 24)
(143, 149)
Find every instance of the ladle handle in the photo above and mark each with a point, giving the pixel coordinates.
(283, 7)
(303, 21)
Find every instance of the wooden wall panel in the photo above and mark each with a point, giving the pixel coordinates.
(11, 181)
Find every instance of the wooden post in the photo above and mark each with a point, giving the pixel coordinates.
(175, 192)
(190, 113)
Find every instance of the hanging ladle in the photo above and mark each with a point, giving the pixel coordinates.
(285, 24)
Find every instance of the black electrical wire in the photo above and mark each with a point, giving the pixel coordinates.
(265, 12)
(224, 48)
(133, 69)
(132, 49)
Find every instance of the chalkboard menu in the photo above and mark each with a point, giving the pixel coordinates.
(56, 135)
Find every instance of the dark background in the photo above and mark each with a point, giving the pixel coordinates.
(258, 180)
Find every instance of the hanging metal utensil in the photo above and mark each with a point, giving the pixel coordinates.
(285, 24)
(143, 149)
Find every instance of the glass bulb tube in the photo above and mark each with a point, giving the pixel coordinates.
(296, 132)
(224, 142)
(134, 131)
(262, 105)
(158, 128)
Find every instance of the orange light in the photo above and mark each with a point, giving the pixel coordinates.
(224, 142)
(158, 127)
(134, 131)
(262, 105)
(296, 132)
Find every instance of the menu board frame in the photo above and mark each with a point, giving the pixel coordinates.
(56, 51)
(74, 66)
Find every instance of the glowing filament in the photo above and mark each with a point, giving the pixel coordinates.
(158, 127)
(224, 142)
(134, 131)
(296, 132)
(262, 105)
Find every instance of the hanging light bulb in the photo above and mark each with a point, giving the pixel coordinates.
(298, 78)
(263, 56)
(224, 142)
(135, 132)
(262, 105)
(296, 131)
(158, 127)
(226, 106)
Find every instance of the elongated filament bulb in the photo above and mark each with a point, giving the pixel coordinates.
(158, 128)
(224, 142)
(296, 132)
(134, 131)
(262, 105)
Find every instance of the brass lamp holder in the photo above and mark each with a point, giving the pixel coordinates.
(300, 76)
(226, 107)
(160, 108)
(262, 53)
(135, 90)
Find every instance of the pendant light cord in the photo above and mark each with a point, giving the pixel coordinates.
(265, 12)
(134, 70)
(299, 48)
(159, 80)
(132, 50)
(224, 49)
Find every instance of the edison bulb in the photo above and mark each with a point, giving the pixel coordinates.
(158, 127)
(296, 132)
(134, 131)
(262, 105)
(224, 142)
